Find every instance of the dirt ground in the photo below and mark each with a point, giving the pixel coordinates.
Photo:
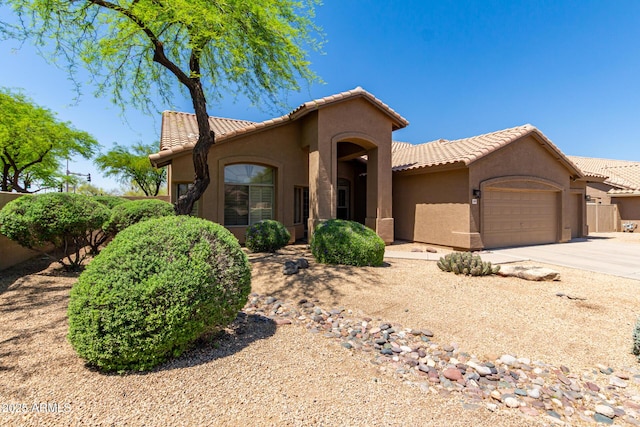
(285, 375)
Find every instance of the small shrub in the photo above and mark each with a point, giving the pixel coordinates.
(337, 241)
(466, 263)
(66, 220)
(267, 236)
(156, 288)
(636, 339)
(110, 201)
(134, 211)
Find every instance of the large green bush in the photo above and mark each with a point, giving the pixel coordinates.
(110, 201)
(267, 236)
(156, 288)
(134, 211)
(346, 242)
(66, 220)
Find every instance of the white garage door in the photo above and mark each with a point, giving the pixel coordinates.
(518, 218)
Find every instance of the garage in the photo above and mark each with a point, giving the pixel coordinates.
(517, 218)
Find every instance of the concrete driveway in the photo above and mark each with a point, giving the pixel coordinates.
(598, 254)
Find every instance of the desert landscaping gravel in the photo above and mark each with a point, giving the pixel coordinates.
(403, 344)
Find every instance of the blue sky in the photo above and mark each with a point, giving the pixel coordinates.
(454, 69)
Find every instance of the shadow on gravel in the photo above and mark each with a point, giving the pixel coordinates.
(322, 281)
(238, 336)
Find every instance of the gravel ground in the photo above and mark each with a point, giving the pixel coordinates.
(285, 375)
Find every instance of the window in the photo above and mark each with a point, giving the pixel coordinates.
(248, 194)
(301, 205)
(182, 189)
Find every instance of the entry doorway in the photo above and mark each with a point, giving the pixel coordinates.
(344, 199)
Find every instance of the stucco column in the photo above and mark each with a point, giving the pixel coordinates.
(321, 194)
(379, 196)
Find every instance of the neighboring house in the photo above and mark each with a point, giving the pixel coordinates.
(334, 158)
(615, 183)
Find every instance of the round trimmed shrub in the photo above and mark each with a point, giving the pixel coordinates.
(337, 241)
(156, 288)
(133, 211)
(267, 236)
(66, 220)
(110, 201)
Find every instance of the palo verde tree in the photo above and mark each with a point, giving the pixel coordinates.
(131, 165)
(256, 48)
(33, 143)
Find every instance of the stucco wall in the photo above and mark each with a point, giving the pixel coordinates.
(279, 147)
(598, 192)
(629, 208)
(12, 253)
(432, 207)
(522, 158)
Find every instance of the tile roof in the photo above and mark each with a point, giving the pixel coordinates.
(468, 150)
(397, 146)
(623, 174)
(180, 130)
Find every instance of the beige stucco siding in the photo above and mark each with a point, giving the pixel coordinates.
(279, 147)
(629, 209)
(432, 207)
(533, 168)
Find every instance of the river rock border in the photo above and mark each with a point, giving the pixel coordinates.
(534, 388)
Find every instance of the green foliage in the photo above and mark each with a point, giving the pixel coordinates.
(252, 48)
(66, 220)
(347, 242)
(157, 287)
(33, 143)
(132, 165)
(133, 211)
(267, 236)
(255, 48)
(636, 339)
(110, 201)
(466, 263)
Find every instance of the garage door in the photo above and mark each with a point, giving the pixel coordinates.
(518, 218)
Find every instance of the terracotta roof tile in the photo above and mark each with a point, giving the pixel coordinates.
(180, 130)
(397, 145)
(623, 174)
(467, 150)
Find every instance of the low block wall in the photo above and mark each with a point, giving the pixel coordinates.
(12, 253)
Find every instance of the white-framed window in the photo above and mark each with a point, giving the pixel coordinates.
(182, 188)
(248, 194)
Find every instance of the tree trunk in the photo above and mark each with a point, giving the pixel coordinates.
(206, 139)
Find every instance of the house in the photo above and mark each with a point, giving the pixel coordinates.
(613, 192)
(334, 158)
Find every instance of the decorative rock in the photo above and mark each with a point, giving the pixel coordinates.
(512, 402)
(302, 263)
(452, 374)
(534, 393)
(621, 375)
(431, 250)
(599, 418)
(347, 345)
(492, 407)
(290, 268)
(617, 382)
(528, 410)
(508, 360)
(605, 410)
(529, 273)
(281, 321)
